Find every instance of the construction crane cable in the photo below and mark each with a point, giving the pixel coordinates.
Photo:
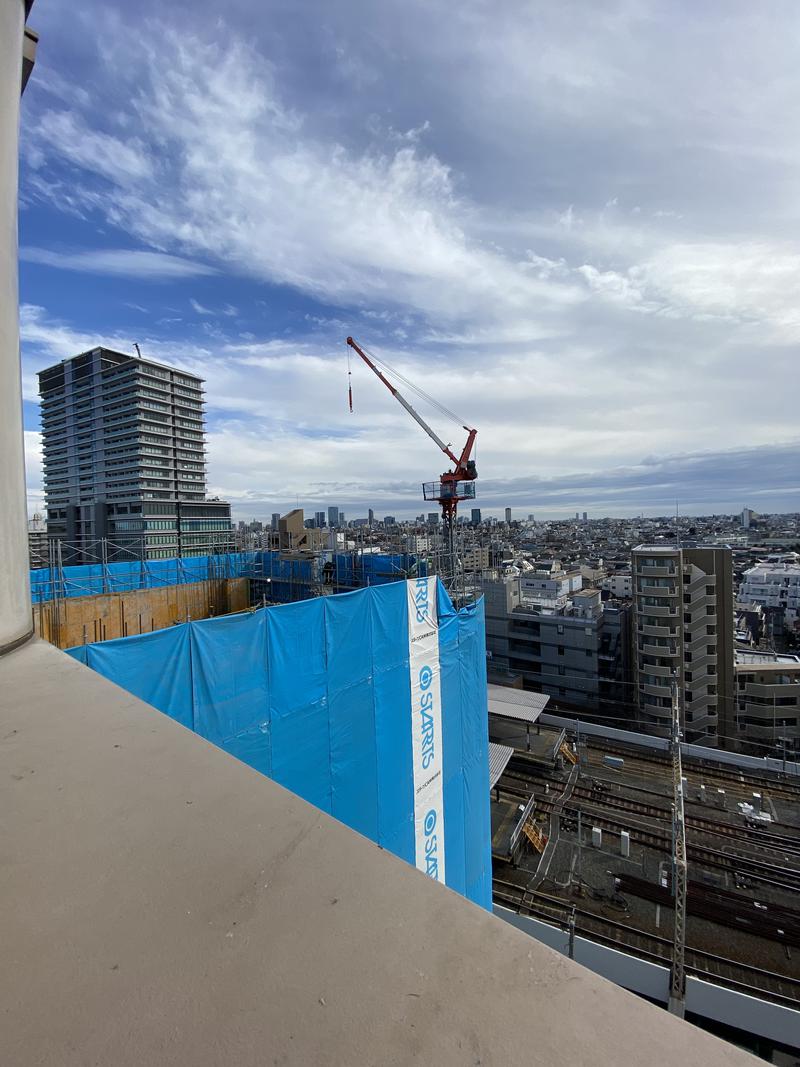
(415, 388)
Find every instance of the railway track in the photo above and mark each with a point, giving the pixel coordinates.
(719, 970)
(693, 765)
(777, 877)
(786, 844)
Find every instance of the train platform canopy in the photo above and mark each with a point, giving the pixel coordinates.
(516, 703)
(499, 755)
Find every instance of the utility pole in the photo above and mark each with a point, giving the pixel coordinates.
(677, 988)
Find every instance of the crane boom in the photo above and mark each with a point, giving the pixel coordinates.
(453, 485)
(402, 400)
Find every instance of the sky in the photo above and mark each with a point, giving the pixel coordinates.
(573, 224)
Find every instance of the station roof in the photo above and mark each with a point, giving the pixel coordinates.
(499, 755)
(516, 703)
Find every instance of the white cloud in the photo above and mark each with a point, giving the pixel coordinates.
(89, 149)
(556, 246)
(122, 262)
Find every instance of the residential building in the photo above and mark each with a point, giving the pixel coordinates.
(774, 584)
(508, 515)
(37, 541)
(475, 557)
(685, 630)
(747, 517)
(768, 703)
(619, 585)
(573, 647)
(124, 460)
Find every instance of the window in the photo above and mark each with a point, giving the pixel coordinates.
(560, 628)
(561, 650)
(588, 652)
(562, 670)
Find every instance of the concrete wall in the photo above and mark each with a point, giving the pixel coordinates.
(15, 595)
(705, 999)
(99, 618)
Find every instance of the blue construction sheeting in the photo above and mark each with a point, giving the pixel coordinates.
(318, 696)
(288, 576)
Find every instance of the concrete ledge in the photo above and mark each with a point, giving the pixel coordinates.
(161, 903)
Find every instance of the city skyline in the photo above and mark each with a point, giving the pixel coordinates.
(564, 272)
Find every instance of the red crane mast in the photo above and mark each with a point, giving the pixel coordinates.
(453, 485)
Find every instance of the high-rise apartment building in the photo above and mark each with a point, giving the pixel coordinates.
(683, 600)
(124, 459)
(370, 517)
(508, 515)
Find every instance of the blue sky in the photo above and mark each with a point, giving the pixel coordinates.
(575, 224)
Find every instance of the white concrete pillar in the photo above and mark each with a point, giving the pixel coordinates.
(15, 597)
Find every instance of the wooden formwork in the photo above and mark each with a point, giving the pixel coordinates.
(78, 620)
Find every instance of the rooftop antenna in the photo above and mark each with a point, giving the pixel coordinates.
(138, 350)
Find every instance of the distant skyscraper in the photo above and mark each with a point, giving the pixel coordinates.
(476, 516)
(371, 517)
(433, 518)
(577, 516)
(389, 520)
(586, 516)
(342, 519)
(320, 519)
(747, 517)
(531, 517)
(124, 459)
(333, 517)
(508, 514)
(276, 518)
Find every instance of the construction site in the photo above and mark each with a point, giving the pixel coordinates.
(696, 909)
(658, 865)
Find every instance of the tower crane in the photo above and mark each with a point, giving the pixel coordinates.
(453, 485)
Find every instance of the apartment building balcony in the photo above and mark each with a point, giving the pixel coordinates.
(645, 589)
(654, 690)
(655, 713)
(666, 652)
(665, 611)
(660, 570)
(657, 670)
(664, 630)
